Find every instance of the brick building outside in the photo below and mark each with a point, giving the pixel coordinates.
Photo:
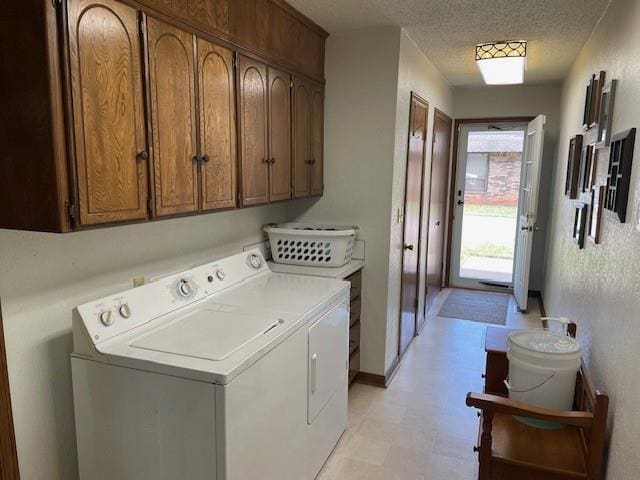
(493, 168)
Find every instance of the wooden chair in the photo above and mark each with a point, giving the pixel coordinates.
(511, 450)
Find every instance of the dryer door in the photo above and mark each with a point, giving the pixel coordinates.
(328, 358)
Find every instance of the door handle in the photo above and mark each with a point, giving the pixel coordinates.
(312, 373)
(408, 247)
(438, 223)
(460, 202)
(525, 228)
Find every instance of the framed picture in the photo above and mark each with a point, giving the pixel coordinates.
(588, 166)
(586, 116)
(619, 173)
(607, 100)
(580, 223)
(573, 167)
(595, 215)
(596, 94)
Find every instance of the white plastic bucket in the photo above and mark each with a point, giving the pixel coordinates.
(542, 369)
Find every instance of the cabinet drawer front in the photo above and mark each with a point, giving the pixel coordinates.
(356, 309)
(173, 119)
(108, 111)
(217, 125)
(356, 285)
(354, 338)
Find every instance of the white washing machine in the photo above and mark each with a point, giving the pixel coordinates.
(227, 371)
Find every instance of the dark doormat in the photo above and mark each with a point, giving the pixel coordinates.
(484, 307)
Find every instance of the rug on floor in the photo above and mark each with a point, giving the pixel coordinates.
(483, 307)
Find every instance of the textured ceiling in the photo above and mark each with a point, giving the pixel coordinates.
(447, 30)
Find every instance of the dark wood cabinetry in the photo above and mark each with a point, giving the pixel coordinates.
(173, 118)
(308, 138)
(108, 127)
(140, 110)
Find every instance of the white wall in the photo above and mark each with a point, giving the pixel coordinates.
(43, 276)
(361, 70)
(415, 74)
(598, 286)
(521, 101)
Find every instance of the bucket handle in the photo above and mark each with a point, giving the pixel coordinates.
(509, 389)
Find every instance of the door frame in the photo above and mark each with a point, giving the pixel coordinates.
(419, 99)
(445, 266)
(9, 469)
(454, 171)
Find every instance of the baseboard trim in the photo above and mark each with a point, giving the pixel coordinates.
(382, 381)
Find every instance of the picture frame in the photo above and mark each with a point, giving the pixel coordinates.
(588, 103)
(596, 97)
(588, 167)
(619, 173)
(580, 223)
(595, 214)
(573, 167)
(607, 101)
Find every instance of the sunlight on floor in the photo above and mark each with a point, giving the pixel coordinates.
(419, 428)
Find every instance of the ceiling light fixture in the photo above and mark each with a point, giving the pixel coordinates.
(502, 63)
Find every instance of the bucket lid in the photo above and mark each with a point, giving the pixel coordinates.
(543, 341)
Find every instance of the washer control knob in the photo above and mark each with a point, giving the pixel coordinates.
(185, 289)
(124, 310)
(106, 317)
(221, 275)
(255, 261)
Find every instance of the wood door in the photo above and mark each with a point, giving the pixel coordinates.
(440, 162)
(412, 213)
(217, 99)
(254, 150)
(279, 135)
(173, 118)
(301, 138)
(9, 469)
(106, 65)
(317, 140)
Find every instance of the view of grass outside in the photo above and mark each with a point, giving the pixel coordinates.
(491, 211)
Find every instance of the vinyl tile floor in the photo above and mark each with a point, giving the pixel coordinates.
(419, 428)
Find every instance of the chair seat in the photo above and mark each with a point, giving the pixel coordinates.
(559, 451)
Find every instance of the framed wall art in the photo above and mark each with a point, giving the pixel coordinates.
(619, 173)
(573, 167)
(580, 223)
(588, 101)
(592, 100)
(595, 214)
(607, 100)
(588, 166)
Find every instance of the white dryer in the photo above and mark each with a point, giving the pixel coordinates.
(227, 371)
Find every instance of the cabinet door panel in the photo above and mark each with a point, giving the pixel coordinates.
(317, 140)
(253, 132)
(301, 138)
(217, 125)
(173, 122)
(108, 111)
(279, 135)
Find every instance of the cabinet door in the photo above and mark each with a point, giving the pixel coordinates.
(317, 140)
(217, 126)
(253, 131)
(279, 135)
(173, 118)
(108, 112)
(301, 138)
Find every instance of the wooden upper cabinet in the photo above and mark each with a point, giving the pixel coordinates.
(217, 126)
(254, 149)
(173, 118)
(105, 64)
(279, 135)
(301, 137)
(317, 140)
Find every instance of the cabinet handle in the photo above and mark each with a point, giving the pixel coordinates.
(265, 161)
(313, 373)
(197, 158)
(312, 162)
(205, 158)
(143, 155)
(273, 160)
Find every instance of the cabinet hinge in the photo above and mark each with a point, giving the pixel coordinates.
(71, 211)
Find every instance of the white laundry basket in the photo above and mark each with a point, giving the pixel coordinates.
(542, 370)
(311, 245)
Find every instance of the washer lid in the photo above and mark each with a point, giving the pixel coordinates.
(208, 334)
(543, 341)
